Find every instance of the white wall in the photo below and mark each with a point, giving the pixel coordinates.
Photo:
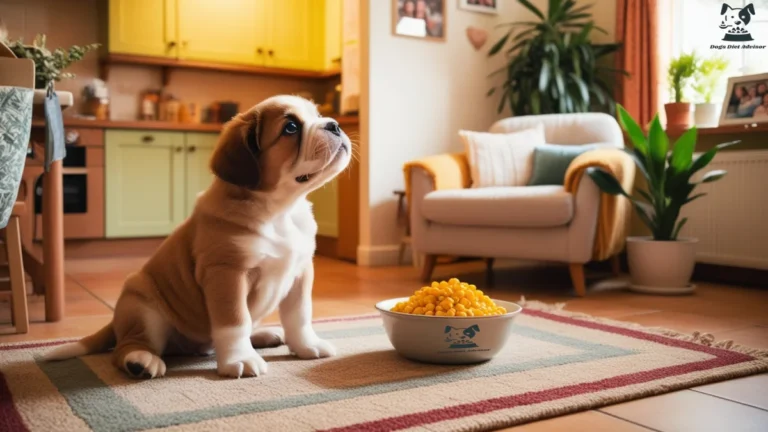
(418, 95)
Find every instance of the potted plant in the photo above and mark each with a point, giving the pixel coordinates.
(553, 67)
(679, 74)
(663, 262)
(708, 75)
(49, 66)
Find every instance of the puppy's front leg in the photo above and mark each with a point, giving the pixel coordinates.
(296, 317)
(226, 293)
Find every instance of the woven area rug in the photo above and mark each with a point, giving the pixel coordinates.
(555, 363)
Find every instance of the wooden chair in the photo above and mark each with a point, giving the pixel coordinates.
(12, 239)
(18, 73)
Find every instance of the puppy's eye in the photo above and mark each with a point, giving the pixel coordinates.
(290, 128)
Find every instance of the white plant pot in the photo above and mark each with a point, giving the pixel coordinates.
(661, 267)
(707, 115)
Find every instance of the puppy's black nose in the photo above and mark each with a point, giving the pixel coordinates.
(333, 128)
(738, 23)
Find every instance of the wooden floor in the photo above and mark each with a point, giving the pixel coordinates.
(727, 312)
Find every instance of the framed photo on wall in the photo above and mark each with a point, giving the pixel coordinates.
(484, 6)
(746, 100)
(423, 19)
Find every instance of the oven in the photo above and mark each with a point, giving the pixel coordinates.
(83, 186)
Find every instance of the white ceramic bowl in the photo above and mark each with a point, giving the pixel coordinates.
(447, 340)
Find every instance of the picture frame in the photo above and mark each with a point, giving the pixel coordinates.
(419, 19)
(482, 6)
(746, 100)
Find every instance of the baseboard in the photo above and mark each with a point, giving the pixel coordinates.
(381, 256)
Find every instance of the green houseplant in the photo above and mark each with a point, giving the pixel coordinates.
(679, 74)
(552, 66)
(49, 65)
(708, 75)
(663, 262)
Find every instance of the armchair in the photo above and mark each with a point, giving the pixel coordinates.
(547, 223)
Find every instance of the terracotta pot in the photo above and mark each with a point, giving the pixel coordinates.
(661, 267)
(679, 114)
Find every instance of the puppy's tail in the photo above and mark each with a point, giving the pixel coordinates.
(100, 341)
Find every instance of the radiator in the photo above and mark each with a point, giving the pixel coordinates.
(731, 222)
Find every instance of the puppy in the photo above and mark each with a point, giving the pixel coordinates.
(736, 20)
(461, 336)
(245, 251)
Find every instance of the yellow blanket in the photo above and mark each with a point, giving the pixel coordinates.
(447, 171)
(615, 211)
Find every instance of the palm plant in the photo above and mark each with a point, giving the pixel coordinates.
(668, 175)
(552, 64)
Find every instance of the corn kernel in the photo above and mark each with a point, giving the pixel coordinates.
(449, 298)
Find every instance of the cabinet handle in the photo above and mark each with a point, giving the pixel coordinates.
(147, 138)
(192, 149)
(271, 52)
(260, 51)
(179, 149)
(171, 44)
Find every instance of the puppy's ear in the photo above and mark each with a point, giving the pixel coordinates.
(236, 156)
(448, 329)
(725, 8)
(749, 8)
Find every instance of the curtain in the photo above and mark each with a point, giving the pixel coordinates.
(637, 28)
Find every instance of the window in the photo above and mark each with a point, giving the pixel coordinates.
(695, 27)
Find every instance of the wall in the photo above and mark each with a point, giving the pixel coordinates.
(75, 22)
(415, 97)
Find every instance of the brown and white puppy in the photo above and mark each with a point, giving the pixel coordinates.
(245, 251)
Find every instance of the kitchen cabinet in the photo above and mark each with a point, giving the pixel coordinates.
(142, 27)
(144, 183)
(198, 175)
(220, 31)
(303, 35)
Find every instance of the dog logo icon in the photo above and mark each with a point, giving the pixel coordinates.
(461, 337)
(735, 22)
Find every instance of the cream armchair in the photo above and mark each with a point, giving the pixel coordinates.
(544, 223)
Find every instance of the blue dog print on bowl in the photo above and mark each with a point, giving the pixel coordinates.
(461, 337)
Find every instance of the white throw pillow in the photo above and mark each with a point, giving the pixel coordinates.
(501, 159)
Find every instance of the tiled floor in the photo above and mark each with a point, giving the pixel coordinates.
(728, 312)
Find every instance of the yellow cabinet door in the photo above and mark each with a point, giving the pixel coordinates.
(220, 31)
(198, 173)
(294, 36)
(144, 183)
(333, 24)
(143, 27)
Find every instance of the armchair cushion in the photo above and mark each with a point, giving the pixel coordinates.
(550, 161)
(501, 159)
(446, 171)
(510, 207)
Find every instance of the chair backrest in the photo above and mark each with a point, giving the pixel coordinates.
(15, 72)
(573, 129)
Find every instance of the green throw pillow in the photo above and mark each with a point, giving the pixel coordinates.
(550, 162)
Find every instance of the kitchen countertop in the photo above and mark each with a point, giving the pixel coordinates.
(75, 122)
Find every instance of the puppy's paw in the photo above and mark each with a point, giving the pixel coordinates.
(249, 365)
(268, 337)
(312, 348)
(143, 365)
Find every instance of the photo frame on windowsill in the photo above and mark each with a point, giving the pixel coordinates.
(420, 19)
(482, 6)
(746, 100)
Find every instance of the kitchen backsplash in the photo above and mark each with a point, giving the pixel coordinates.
(75, 22)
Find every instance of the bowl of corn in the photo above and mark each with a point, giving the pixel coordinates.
(448, 322)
